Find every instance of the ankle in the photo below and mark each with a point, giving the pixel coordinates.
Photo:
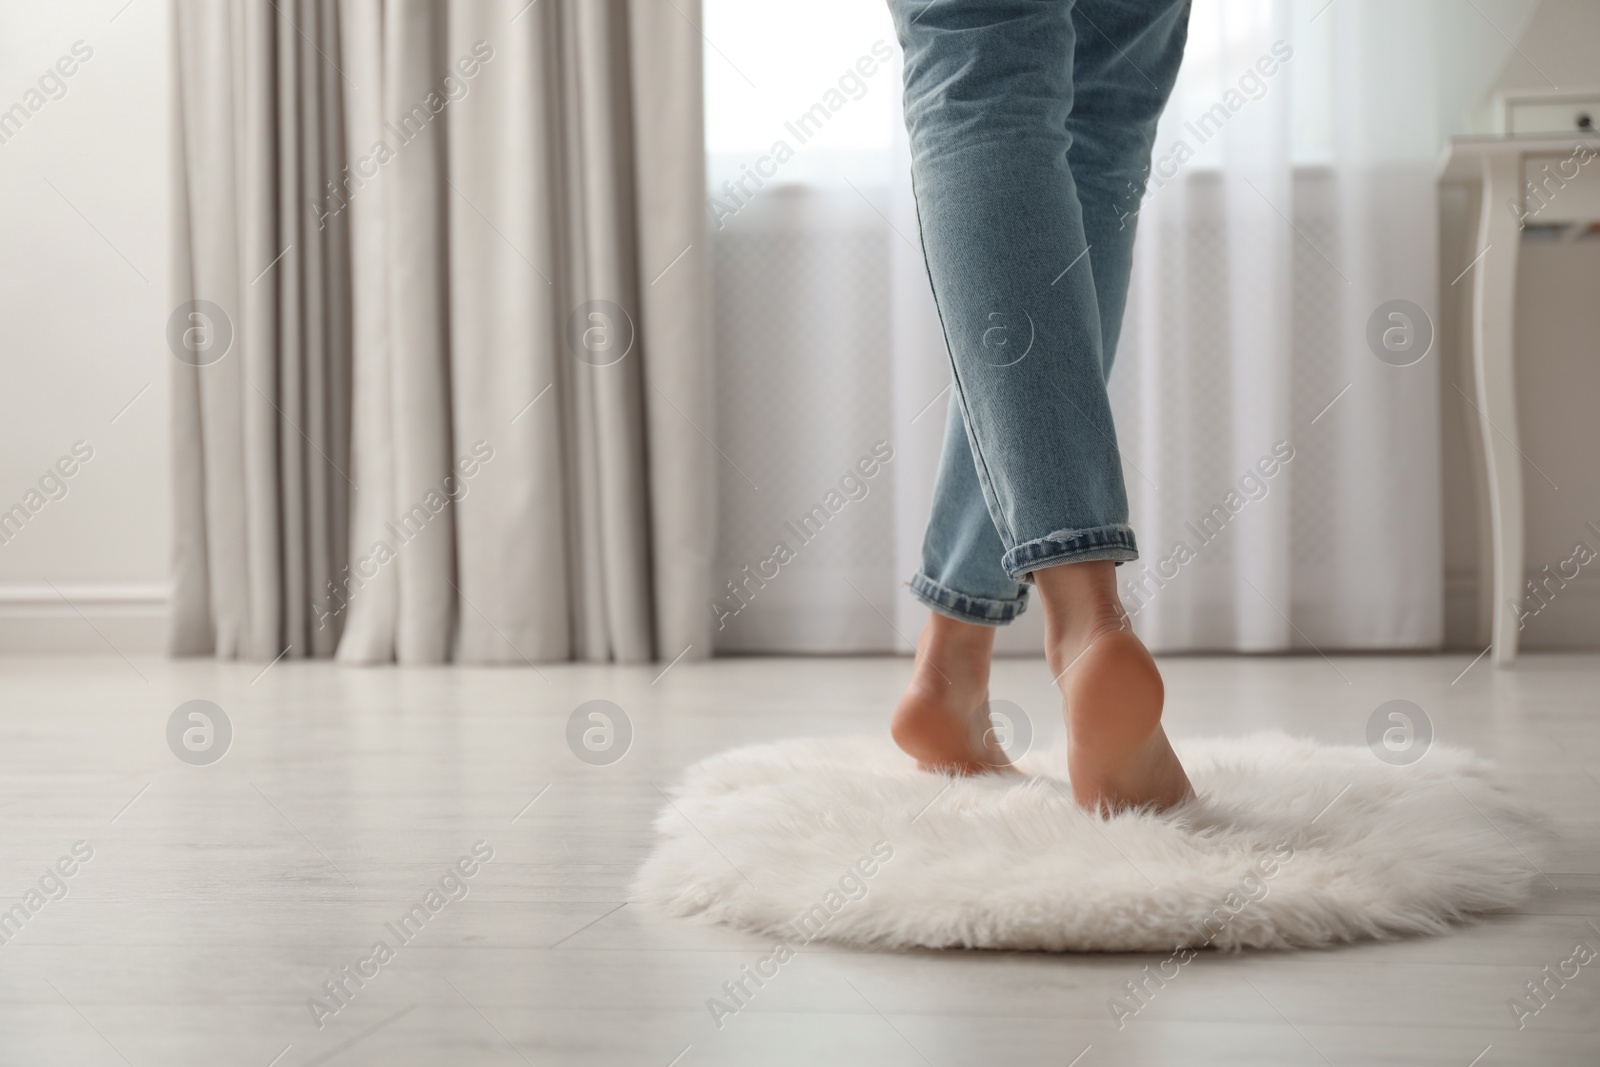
(944, 638)
(1080, 605)
(953, 653)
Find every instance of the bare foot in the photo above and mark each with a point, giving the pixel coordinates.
(942, 721)
(1118, 755)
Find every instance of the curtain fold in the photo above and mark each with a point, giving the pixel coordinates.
(675, 304)
(464, 326)
(259, 431)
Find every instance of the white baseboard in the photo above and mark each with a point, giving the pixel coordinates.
(83, 617)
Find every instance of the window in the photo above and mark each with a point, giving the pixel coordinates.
(792, 75)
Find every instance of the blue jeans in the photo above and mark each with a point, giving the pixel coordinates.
(1031, 123)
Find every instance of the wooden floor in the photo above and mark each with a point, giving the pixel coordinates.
(220, 898)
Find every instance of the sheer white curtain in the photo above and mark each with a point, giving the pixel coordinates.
(1307, 204)
(805, 318)
(1283, 480)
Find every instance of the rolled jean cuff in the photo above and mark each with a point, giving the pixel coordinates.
(1071, 546)
(982, 610)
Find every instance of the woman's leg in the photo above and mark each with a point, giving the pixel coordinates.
(999, 144)
(1124, 63)
(942, 719)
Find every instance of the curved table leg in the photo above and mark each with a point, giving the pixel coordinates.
(1494, 299)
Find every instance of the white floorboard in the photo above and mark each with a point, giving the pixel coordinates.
(222, 897)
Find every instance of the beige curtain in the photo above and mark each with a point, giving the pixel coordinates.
(467, 412)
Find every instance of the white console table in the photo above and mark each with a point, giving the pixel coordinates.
(1495, 167)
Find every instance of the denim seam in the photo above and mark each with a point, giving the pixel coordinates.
(987, 611)
(985, 480)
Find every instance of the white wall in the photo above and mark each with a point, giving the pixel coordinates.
(84, 298)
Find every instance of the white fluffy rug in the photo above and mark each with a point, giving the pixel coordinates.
(1291, 843)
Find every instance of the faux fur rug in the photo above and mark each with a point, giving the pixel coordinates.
(1290, 843)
